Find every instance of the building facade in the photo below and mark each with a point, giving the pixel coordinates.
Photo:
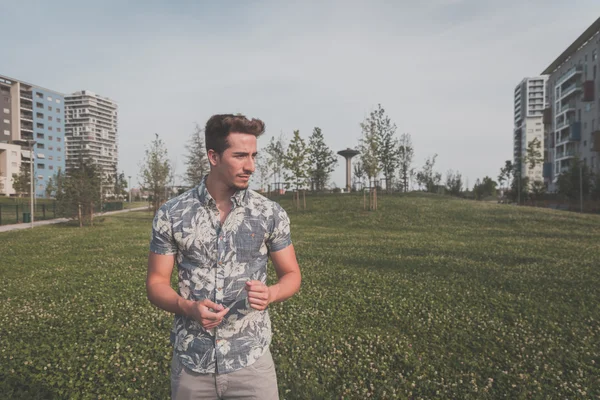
(91, 131)
(529, 105)
(32, 119)
(573, 113)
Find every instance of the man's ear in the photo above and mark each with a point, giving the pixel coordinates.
(213, 157)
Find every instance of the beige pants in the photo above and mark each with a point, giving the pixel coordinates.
(257, 381)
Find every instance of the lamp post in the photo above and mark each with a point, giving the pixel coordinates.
(31, 161)
(129, 189)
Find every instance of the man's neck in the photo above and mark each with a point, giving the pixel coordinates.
(220, 193)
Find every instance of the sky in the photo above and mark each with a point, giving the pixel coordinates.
(443, 70)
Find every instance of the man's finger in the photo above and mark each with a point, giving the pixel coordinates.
(213, 305)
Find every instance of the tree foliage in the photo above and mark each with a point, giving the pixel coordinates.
(454, 184)
(405, 158)
(427, 178)
(321, 160)
(276, 156)
(296, 162)
(196, 160)
(156, 172)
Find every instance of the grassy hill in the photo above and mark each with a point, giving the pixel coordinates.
(429, 297)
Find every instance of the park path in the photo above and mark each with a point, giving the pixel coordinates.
(27, 225)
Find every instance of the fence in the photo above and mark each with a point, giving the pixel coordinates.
(21, 212)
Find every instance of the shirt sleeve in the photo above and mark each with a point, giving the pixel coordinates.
(280, 236)
(162, 241)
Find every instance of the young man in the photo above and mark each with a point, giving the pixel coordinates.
(221, 235)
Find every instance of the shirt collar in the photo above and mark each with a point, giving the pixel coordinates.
(239, 198)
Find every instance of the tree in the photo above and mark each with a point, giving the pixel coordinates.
(369, 149)
(505, 172)
(120, 185)
(534, 155)
(538, 188)
(276, 157)
(321, 160)
(454, 183)
(296, 162)
(262, 169)
(427, 178)
(405, 157)
(79, 193)
(196, 160)
(156, 172)
(359, 174)
(484, 188)
(21, 181)
(575, 178)
(50, 188)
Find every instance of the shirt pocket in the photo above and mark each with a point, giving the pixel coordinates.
(249, 241)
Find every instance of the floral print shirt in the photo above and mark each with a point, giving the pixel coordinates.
(214, 262)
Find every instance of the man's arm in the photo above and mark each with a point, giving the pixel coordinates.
(161, 294)
(289, 279)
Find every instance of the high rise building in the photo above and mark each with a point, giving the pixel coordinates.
(91, 131)
(32, 129)
(573, 114)
(528, 119)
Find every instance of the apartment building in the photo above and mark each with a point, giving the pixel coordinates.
(572, 117)
(91, 131)
(529, 105)
(31, 131)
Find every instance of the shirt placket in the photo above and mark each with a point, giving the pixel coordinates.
(220, 284)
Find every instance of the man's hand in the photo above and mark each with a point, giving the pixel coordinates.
(259, 294)
(207, 313)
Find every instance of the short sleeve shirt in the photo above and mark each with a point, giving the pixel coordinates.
(214, 262)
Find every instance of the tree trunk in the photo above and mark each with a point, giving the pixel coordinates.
(79, 212)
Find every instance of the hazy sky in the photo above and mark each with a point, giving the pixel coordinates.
(444, 70)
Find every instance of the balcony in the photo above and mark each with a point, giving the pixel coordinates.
(563, 155)
(565, 123)
(570, 106)
(571, 89)
(576, 70)
(26, 107)
(26, 95)
(26, 117)
(575, 132)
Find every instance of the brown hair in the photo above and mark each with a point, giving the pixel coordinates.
(219, 126)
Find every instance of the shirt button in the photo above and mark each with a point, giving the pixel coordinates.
(219, 289)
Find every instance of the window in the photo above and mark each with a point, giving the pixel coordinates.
(58, 101)
(6, 111)
(7, 132)
(58, 139)
(49, 108)
(38, 125)
(40, 145)
(6, 121)
(51, 167)
(49, 98)
(59, 158)
(49, 118)
(41, 166)
(59, 149)
(50, 158)
(13, 153)
(58, 110)
(14, 164)
(50, 148)
(49, 137)
(40, 136)
(39, 95)
(58, 130)
(585, 143)
(49, 128)
(57, 119)
(39, 105)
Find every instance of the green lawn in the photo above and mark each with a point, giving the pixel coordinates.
(429, 297)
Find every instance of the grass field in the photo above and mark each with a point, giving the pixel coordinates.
(429, 297)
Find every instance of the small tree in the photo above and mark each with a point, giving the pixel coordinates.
(405, 159)
(359, 174)
(296, 162)
(79, 193)
(484, 188)
(21, 181)
(196, 160)
(505, 173)
(156, 172)
(574, 179)
(538, 189)
(262, 169)
(427, 178)
(369, 150)
(276, 156)
(50, 188)
(321, 160)
(454, 183)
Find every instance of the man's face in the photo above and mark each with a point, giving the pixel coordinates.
(236, 164)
